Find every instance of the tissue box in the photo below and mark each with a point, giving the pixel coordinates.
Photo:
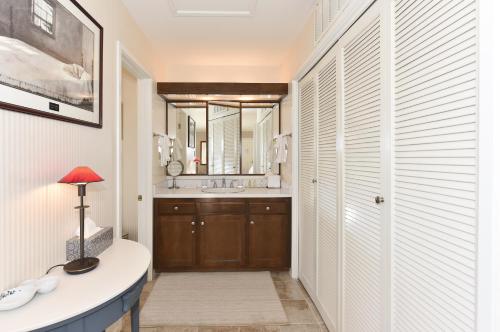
(94, 245)
(273, 181)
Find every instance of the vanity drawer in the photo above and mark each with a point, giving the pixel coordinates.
(222, 206)
(170, 207)
(268, 207)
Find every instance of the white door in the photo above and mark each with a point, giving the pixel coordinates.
(307, 184)
(327, 235)
(435, 199)
(363, 223)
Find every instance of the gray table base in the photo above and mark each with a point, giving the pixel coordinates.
(102, 316)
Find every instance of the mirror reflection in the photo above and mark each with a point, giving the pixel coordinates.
(224, 138)
(190, 134)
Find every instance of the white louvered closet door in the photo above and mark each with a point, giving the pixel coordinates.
(363, 227)
(327, 235)
(435, 199)
(307, 186)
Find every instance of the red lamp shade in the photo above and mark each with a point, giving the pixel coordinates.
(81, 175)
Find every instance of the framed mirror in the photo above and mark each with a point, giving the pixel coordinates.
(224, 137)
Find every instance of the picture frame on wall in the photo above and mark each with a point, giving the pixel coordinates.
(51, 57)
(191, 133)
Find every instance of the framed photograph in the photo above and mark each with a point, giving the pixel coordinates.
(51, 60)
(203, 147)
(191, 133)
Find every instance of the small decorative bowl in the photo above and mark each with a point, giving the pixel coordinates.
(47, 284)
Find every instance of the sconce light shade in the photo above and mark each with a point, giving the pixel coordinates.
(81, 175)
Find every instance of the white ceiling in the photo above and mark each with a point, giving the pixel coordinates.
(221, 32)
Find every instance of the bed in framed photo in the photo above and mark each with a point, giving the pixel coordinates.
(51, 60)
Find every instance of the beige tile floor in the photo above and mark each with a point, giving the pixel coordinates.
(301, 312)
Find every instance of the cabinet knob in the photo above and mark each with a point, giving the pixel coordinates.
(252, 222)
(268, 208)
(176, 208)
(192, 232)
(314, 181)
(203, 223)
(379, 199)
(193, 223)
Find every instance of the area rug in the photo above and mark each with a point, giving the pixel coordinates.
(218, 298)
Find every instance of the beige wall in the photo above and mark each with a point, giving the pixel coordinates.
(205, 73)
(159, 126)
(286, 127)
(36, 213)
(129, 155)
(300, 51)
(298, 54)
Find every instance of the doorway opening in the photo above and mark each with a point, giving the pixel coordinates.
(134, 150)
(129, 176)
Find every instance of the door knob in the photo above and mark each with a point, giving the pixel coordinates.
(379, 199)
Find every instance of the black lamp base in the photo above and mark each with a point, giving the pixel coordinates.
(79, 266)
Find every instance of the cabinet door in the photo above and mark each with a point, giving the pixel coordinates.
(222, 241)
(268, 237)
(175, 242)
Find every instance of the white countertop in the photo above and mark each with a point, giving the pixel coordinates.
(162, 192)
(121, 265)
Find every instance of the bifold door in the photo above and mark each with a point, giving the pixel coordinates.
(435, 201)
(363, 217)
(343, 220)
(307, 183)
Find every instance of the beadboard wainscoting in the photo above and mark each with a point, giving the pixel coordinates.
(36, 213)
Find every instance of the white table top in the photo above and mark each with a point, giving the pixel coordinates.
(121, 265)
(162, 192)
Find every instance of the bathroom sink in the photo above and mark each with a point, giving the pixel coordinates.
(223, 190)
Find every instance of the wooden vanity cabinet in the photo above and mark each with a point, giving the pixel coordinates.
(221, 234)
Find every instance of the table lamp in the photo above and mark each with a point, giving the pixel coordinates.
(80, 176)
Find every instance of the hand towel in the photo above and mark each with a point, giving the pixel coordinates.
(163, 150)
(281, 148)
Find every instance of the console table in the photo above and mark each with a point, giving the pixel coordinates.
(88, 302)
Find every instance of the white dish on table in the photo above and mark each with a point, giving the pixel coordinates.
(16, 297)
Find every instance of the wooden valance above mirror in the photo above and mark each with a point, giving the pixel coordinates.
(173, 91)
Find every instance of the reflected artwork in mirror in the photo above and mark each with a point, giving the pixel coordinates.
(225, 137)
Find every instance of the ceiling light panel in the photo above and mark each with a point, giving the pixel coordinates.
(213, 8)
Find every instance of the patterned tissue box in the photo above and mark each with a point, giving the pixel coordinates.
(94, 245)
